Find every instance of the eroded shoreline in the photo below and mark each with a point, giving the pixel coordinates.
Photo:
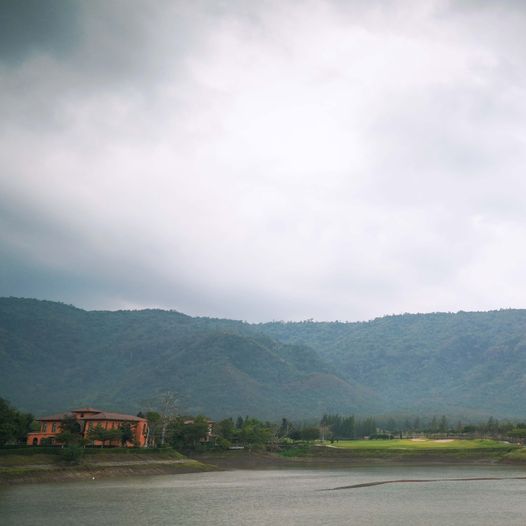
(45, 468)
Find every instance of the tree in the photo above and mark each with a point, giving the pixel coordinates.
(275, 433)
(434, 425)
(104, 435)
(285, 428)
(392, 426)
(407, 425)
(126, 434)
(254, 432)
(154, 428)
(70, 424)
(163, 411)
(70, 431)
(188, 433)
(348, 427)
(518, 432)
(295, 434)
(443, 426)
(7, 431)
(416, 424)
(310, 433)
(97, 433)
(14, 425)
(367, 427)
(226, 429)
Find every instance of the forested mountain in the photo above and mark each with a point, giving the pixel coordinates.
(54, 356)
(465, 363)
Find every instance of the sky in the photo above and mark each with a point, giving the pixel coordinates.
(264, 160)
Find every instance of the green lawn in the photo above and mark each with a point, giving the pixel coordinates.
(419, 444)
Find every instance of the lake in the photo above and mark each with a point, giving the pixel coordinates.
(285, 497)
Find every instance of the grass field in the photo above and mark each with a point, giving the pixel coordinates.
(420, 444)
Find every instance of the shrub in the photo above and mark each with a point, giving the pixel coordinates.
(72, 454)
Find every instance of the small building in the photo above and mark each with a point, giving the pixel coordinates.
(88, 419)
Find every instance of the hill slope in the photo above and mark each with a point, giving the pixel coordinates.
(464, 363)
(54, 356)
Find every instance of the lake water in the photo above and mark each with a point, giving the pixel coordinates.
(283, 497)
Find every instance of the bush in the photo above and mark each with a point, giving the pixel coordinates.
(223, 443)
(72, 454)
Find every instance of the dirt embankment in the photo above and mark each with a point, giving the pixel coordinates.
(49, 468)
(52, 468)
(327, 457)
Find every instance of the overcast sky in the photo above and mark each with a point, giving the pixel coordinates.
(264, 160)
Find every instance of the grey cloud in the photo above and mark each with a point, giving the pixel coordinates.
(275, 160)
(33, 26)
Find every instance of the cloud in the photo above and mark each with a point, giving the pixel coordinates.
(30, 27)
(279, 160)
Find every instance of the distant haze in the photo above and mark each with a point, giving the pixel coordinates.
(264, 160)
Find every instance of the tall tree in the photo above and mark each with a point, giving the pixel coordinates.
(126, 433)
(70, 431)
(154, 428)
(14, 425)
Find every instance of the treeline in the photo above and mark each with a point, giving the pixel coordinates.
(334, 426)
(492, 427)
(250, 431)
(188, 432)
(180, 432)
(194, 432)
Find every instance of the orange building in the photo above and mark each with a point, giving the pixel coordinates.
(88, 419)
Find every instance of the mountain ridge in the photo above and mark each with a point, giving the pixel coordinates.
(456, 363)
(125, 358)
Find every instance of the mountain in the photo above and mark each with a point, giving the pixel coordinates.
(468, 363)
(55, 356)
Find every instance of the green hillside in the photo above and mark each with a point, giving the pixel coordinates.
(54, 356)
(466, 363)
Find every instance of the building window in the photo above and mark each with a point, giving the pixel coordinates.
(54, 427)
(43, 427)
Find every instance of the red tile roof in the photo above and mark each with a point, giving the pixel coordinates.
(99, 415)
(58, 416)
(104, 415)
